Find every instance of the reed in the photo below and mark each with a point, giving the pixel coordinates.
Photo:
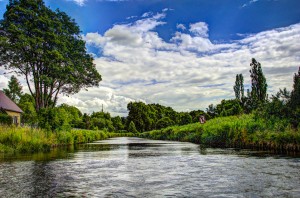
(29, 140)
(234, 131)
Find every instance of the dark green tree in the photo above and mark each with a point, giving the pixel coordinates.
(258, 83)
(295, 101)
(14, 91)
(131, 127)
(239, 87)
(117, 123)
(45, 47)
(164, 122)
(229, 108)
(211, 111)
(139, 113)
(295, 94)
(185, 118)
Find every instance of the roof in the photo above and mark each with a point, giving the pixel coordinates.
(7, 104)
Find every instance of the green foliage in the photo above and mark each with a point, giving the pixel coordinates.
(295, 101)
(229, 108)
(239, 87)
(74, 114)
(45, 47)
(14, 90)
(132, 128)
(117, 123)
(211, 111)
(5, 119)
(196, 115)
(164, 122)
(185, 118)
(102, 120)
(29, 140)
(233, 131)
(54, 119)
(29, 115)
(259, 84)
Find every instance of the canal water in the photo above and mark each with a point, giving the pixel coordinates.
(134, 167)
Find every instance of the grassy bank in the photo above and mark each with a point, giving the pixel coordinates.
(28, 140)
(234, 131)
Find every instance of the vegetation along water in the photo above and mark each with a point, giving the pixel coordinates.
(56, 62)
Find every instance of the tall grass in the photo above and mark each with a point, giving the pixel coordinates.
(233, 131)
(29, 140)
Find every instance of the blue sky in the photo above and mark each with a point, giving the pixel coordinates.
(181, 53)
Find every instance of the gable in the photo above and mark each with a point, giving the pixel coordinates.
(7, 104)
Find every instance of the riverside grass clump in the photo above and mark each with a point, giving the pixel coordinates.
(242, 131)
(30, 140)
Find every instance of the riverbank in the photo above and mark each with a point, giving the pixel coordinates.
(233, 131)
(30, 140)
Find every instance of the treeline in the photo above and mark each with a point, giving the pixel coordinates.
(146, 117)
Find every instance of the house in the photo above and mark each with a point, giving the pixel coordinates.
(8, 106)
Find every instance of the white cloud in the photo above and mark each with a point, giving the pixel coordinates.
(199, 29)
(190, 71)
(180, 26)
(249, 3)
(79, 2)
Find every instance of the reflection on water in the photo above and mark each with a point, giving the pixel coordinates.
(134, 167)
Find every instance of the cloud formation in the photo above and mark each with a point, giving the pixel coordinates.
(79, 2)
(187, 72)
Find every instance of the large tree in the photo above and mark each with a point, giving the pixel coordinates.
(14, 90)
(45, 47)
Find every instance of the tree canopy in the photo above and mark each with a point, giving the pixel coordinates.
(45, 47)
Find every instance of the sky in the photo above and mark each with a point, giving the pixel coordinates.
(180, 53)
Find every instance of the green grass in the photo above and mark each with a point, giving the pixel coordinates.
(233, 131)
(29, 140)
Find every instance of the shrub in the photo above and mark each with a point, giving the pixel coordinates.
(5, 119)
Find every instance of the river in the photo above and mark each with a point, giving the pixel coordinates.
(134, 167)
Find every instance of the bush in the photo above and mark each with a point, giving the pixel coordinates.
(5, 119)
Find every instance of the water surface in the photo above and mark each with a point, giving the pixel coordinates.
(134, 167)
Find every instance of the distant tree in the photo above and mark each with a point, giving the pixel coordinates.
(76, 115)
(45, 47)
(229, 108)
(117, 123)
(139, 114)
(239, 87)
(185, 118)
(86, 120)
(211, 111)
(295, 101)
(164, 122)
(295, 94)
(131, 127)
(14, 91)
(258, 82)
(102, 120)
